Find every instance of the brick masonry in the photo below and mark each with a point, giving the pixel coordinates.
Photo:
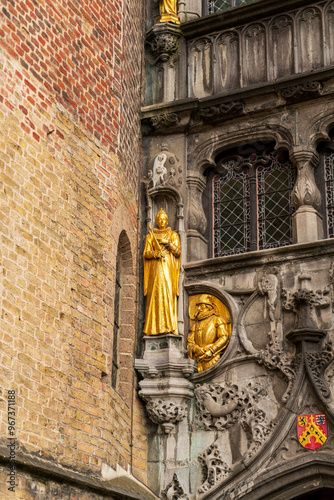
(70, 156)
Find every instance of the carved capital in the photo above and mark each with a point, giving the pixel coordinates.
(305, 191)
(164, 41)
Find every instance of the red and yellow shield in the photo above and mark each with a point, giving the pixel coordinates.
(312, 430)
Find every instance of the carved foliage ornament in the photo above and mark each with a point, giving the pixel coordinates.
(303, 91)
(165, 45)
(165, 120)
(225, 110)
(174, 490)
(214, 469)
(162, 412)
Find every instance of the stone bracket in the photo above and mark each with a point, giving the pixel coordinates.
(165, 386)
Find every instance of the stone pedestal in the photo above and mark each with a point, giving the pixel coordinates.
(165, 386)
(307, 225)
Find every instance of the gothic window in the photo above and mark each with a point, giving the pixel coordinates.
(251, 200)
(213, 6)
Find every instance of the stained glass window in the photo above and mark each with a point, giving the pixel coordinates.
(252, 201)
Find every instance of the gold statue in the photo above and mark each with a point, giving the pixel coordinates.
(168, 11)
(210, 333)
(161, 278)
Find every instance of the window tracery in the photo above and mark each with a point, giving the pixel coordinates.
(251, 200)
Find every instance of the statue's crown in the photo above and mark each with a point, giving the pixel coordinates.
(160, 213)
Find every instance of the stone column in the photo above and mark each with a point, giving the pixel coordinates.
(306, 221)
(196, 220)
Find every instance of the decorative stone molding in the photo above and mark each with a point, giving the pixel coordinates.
(165, 120)
(174, 490)
(214, 469)
(303, 91)
(225, 110)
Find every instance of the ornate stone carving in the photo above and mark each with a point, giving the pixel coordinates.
(174, 490)
(165, 45)
(305, 191)
(317, 363)
(167, 170)
(219, 408)
(303, 91)
(165, 120)
(214, 469)
(166, 413)
(304, 301)
(275, 357)
(225, 110)
(268, 286)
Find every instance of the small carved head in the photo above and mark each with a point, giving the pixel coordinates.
(161, 219)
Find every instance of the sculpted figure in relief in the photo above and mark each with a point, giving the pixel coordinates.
(210, 333)
(161, 278)
(168, 11)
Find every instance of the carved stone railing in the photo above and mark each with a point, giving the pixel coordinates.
(265, 50)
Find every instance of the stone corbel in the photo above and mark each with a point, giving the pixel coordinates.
(307, 222)
(197, 243)
(165, 386)
(163, 39)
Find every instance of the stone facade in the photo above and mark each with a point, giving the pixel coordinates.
(251, 84)
(70, 157)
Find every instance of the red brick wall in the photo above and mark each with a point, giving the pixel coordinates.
(70, 156)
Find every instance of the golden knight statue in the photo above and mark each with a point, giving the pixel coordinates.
(161, 278)
(209, 335)
(168, 11)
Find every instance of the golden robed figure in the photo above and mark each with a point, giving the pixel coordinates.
(168, 11)
(161, 278)
(209, 335)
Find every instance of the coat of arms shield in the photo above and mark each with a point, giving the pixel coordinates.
(312, 430)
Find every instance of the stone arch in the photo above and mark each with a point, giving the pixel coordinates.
(294, 478)
(122, 341)
(205, 154)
